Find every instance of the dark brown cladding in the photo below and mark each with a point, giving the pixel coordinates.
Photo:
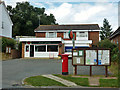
(94, 36)
(68, 27)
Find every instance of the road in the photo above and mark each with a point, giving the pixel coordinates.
(14, 71)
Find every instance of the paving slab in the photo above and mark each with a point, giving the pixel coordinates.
(63, 81)
(94, 81)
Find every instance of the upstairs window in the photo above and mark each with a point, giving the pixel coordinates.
(82, 34)
(66, 35)
(51, 34)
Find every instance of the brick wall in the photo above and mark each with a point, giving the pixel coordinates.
(15, 53)
(40, 34)
(115, 39)
(94, 36)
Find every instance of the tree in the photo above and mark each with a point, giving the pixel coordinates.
(106, 30)
(114, 49)
(25, 18)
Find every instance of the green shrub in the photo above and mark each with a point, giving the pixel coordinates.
(7, 43)
(114, 49)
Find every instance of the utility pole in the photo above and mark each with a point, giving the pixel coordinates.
(74, 66)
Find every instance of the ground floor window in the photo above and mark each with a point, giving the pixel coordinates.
(27, 48)
(52, 48)
(40, 48)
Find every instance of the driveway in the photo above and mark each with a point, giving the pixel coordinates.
(14, 71)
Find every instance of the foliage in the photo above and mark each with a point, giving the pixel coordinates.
(106, 30)
(108, 82)
(7, 42)
(114, 49)
(113, 69)
(41, 81)
(25, 18)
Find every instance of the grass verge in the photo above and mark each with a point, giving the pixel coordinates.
(84, 81)
(78, 81)
(108, 82)
(41, 81)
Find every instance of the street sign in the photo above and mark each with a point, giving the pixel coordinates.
(70, 34)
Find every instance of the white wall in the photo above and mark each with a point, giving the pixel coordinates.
(7, 24)
(0, 19)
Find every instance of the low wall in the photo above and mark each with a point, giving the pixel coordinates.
(15, 54)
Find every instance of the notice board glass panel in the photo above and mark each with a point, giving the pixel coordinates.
(103, 57)
(91, 57)
(78, 60)
(75, 53)
(81, 53)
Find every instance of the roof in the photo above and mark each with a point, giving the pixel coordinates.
(69, 27)
(3, 3)
(117, 32)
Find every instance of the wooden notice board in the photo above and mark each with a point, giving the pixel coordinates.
(91, 57)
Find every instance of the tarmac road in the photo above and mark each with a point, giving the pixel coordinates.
(14, 71)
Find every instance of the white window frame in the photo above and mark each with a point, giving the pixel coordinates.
(66, 35)
(78, 36)
(48, 34)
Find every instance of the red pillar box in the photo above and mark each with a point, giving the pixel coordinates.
(65, 64)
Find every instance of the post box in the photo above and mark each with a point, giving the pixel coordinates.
(65, 64)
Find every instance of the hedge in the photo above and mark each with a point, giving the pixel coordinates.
(7, 43)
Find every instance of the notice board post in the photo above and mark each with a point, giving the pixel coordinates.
(91, 57)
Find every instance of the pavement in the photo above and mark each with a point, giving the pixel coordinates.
(58, 79)
(14, 71)
(93, 80)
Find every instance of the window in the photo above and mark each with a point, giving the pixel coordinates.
(2, 25)
(40, 48)
(51, 34)
(52, 48)
(66, 35)
(9, 49)
(82, 34)
(6, 49)
(27, 48)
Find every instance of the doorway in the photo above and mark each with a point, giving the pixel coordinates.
(31, 50)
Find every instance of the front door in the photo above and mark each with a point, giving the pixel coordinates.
(31, 50)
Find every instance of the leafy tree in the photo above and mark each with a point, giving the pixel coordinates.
(25, 18)
(106, 30)
(114, 49)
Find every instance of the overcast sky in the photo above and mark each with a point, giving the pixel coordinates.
(78, 11)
